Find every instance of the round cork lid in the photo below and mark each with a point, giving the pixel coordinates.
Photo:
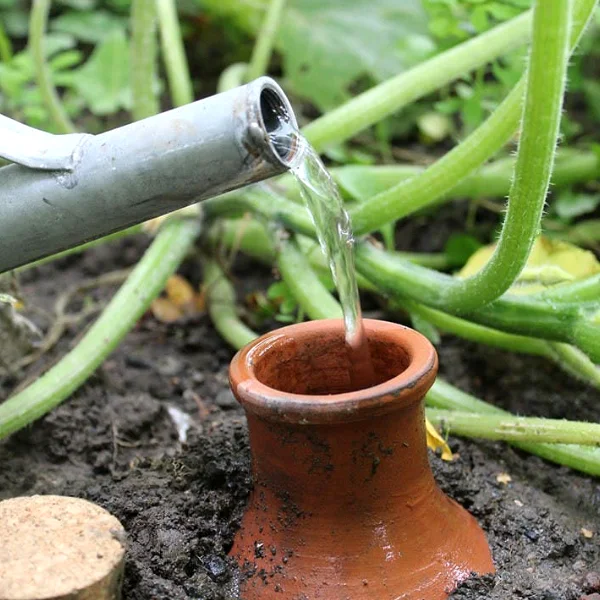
(54, 548)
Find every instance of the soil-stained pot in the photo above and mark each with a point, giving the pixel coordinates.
(344, 505)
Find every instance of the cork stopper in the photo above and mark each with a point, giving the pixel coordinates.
(58, 548)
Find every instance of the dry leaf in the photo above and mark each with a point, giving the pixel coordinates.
(503, 478)
(587, 533)
(181, 300)
(165, 311)
(180, 292)
(436, 442)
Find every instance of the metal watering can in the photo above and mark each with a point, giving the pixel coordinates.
(65, 190)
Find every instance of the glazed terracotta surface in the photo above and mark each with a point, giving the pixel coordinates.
(344, 505)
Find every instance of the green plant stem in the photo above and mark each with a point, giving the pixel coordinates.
(143, 58)
(516, 429)
(568, 358)
(393, 275)
(582, 290)
(6, 51)
(491, 181)
(261, 54)
(312, 296)
(477, 333)
(38, 21)
(575, 362)
(445, 174)
(131, 301)
(232, 77)
(392, 95)
(568, 322)
(221, 307)
(546, 78)
(585, 459)
(178, 73)
(251, 237)
(439, 179)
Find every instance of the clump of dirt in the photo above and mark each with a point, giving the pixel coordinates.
(156, 437)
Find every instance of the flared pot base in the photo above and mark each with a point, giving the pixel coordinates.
(416, 556)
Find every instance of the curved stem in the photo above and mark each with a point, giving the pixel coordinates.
(445, 174)
(390, 96)
(143, 58)
(568, 322)
(582, 290)
(221, 307)
(477, 333)
(516, 429)
(392, 274)
(575, 362)
(178, 73)
(546, 77)
(585, 459)
(38, 20)
(442, 178)
(570, 359)
(491, 181)
(312, 296)
(131, 301)
(261, 54)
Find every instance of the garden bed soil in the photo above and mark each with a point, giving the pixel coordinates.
(116, 443)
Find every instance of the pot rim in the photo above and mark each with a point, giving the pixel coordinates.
(407, 387)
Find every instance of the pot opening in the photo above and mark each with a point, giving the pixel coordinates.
(312, 363)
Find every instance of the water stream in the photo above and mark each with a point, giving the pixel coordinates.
(334, 231)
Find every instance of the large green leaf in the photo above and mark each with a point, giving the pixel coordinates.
(328, 45)
(104, 80)
(89, 26)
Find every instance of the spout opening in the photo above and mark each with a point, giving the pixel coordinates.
(276, 122)
(302, 373)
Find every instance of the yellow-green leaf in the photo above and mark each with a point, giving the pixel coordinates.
(551, 262)
(436, 442)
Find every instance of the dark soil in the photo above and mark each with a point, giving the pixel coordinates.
(115, 443)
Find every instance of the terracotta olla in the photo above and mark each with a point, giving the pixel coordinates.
(344, 505)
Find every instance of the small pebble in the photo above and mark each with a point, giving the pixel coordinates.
(590, 597)
(169, 366)
(216, 567)
(225, 400)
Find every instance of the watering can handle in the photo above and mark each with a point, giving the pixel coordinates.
(38, 149)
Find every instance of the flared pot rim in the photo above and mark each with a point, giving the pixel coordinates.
(404, 389)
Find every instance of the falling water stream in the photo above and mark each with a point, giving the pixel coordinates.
(334, 231)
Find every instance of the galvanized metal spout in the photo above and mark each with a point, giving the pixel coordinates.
(68, 190)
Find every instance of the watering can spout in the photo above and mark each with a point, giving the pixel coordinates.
(65, 190)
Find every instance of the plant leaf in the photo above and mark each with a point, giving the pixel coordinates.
(569, 204)
(551, 262)
(328, 45)
(437, 443)
(104, 80)
(93, 26)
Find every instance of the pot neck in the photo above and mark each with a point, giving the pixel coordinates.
(372, 463)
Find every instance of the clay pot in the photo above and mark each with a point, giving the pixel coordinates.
(344, 505)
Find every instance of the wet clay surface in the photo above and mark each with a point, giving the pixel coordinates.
(116, 444)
